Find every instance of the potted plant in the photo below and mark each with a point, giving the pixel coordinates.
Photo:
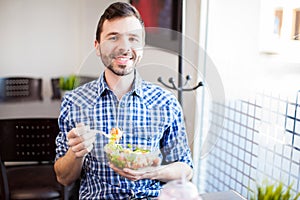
(67, 83)
(275, 191)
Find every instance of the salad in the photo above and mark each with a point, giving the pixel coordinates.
(129, 157)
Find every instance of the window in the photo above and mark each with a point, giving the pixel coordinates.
(280, 28)
(296, 31)
(278, 21)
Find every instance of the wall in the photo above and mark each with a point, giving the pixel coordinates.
(52, 38)
(48, 38)
(260, 131)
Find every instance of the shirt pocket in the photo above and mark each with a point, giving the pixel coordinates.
(147, 137)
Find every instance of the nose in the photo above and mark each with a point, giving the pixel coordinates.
(124, 45)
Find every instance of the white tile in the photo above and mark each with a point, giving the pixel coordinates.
(290, 124)
(282, 106)
(255, 149)
(254, 161)
(286, 164)
(239, 176)
(298, 111)
(297, 141)
(237, 128)
(294, 169)
(235, 151)
(250, 122)
(287, 151)
(289, 138)
(296, 156)
(234, 162)
(236, 140)
(291, 110)
(268, 170)
(270, 157)
(294, 180)
(248, 158)
(277, 160)
(247, 170)
(279, 149)
(251, 110)
(297, 126)
(276, 173)
(242, 143)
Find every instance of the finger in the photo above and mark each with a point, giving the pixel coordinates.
(80, 154)
(133, 172)
(124, 173)
(75, 141)
(72, 134)
(78, 147)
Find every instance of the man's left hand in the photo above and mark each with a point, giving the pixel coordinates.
(135, 175)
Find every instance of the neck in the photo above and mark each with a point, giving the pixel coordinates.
(120, 85)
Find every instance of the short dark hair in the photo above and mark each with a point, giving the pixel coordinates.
(117, 10)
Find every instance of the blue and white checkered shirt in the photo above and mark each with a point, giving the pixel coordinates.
(149, 117)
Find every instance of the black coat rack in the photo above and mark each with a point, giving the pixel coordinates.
(161, 37)
(177, 16)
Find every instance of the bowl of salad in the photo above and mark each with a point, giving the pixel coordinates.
(132, 157)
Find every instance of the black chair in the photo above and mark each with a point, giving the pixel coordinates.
(80, 80)
(30, 142)
(20, 89)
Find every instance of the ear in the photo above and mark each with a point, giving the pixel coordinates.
(139, 57)
(97, 47)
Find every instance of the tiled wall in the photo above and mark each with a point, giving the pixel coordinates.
(260, 140)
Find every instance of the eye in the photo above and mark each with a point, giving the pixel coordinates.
(134, 39)
(113, 38)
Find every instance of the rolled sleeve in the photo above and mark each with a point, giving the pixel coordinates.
(175, 147)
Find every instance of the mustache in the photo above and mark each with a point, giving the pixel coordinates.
(122, 53)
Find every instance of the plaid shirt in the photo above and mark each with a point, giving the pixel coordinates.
(149, 116)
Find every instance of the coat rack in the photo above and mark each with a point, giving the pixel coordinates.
(177, 16)
(170, 37)
(179, 88)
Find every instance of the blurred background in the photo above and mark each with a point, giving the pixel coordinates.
(243, 125)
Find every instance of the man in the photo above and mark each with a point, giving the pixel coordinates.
(147, 114)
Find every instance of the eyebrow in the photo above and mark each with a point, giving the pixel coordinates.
(111, 33)
(117, 33)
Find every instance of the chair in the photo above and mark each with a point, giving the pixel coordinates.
(20, 89)
(30, 142)
(56, 91)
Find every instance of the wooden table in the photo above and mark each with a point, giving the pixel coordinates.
(34, 109)
(227, 195)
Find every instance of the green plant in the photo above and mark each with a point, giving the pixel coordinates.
(68, 82)
(274, 192)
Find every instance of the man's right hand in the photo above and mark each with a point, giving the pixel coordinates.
(81, 140)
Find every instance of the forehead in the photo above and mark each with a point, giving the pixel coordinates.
(121, 25)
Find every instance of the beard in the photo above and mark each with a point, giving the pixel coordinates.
(120, 69)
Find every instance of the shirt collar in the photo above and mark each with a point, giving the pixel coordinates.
(102, 85)
(136, 88)
(137, 85)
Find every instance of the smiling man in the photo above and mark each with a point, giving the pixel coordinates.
(148, 115)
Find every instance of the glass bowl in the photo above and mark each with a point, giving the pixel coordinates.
(132, 158)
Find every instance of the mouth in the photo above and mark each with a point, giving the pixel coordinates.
(123, 60)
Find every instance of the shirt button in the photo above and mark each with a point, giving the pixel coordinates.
(122, 105)
(132, 193)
